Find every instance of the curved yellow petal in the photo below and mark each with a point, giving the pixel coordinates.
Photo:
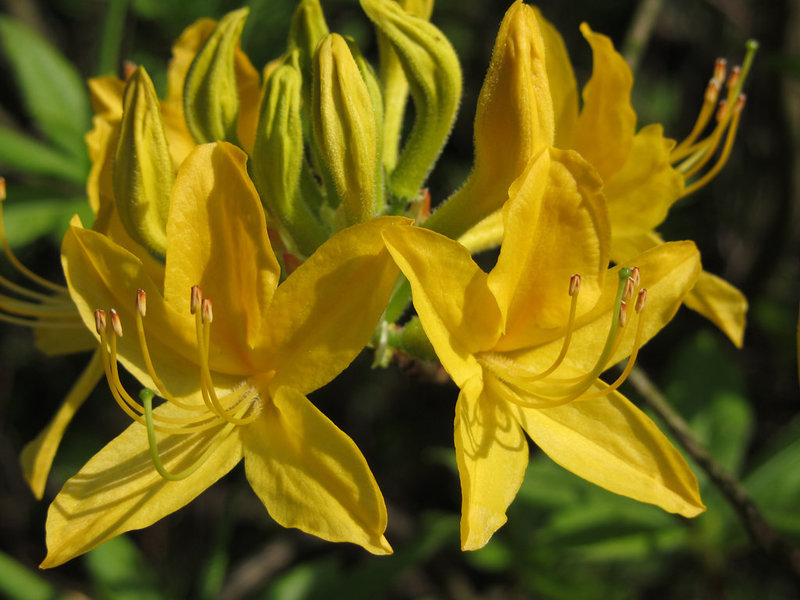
(309, 474)
(105, 94)
(613, 444)
(53, 342)
(248, 84)
(555, 226)
(605, 128)
(492, 455)
(326, 310)
(487, 234)
(37, 455)
(641, 193)
(119, 489)
(454, 303)
(713, 297)
(184, 50)
(721, 303)
(563, 87)
(217, 238)
(101, 143)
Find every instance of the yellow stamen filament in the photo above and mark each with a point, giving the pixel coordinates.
(691, 156)
(514, 382)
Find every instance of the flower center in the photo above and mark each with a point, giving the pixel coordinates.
(515, 381)
(691, 156)
(50, 306)
(239, 407)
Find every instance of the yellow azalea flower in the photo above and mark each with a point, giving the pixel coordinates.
(526, 344)
(235, 389)
(530, 93)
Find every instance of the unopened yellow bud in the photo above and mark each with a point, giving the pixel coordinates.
(514, 121)
(431, 67)
(345, 129)
(142, 172)
(278, 158)
(307, 29)
(210, 94)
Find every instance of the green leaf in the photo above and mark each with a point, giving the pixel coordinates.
(119, 571)
(18, 582)
(53, 91)
(30, 219)
(25, 154)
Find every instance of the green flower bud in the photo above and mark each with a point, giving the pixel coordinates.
(277, 159)
(431, 66)
(142, 172)
(210, 95)
(307, 29)
(345, 130)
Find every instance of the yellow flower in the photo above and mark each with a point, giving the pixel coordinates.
(526, 344)
(233, 389)
(530, 100)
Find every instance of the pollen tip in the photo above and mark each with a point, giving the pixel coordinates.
(635, 276)
(100, 320)
(128, 69)
(208, 313)
(141, 301)
(720, 69)
(574, 284)
(630, 285)
(733, 78)
(623, 313)
(196, 299)
(2, 188)
(741, 100)
(722, 109)
(712, 91)
(641, 299)
(116, 324)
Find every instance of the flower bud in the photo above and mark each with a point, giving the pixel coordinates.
(210, 94)
(142, 171)
(431, 67)
(278, 158)
(307, 29)
(345, 130)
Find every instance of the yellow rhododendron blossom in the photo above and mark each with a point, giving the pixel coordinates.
(530, 100)
(527, 342)
(233, 377)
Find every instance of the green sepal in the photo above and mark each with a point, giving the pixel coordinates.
(434, 75)
(142, 172)
(345, 131)
(277, 160)
(210, 94)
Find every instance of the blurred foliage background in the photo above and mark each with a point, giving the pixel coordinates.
(565, 538)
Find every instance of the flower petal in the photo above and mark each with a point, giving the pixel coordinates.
(310, 475)
(492, 456)
(217, 238)
(561, 78)
(605, 128)
(613, 444)
(37, 455)
(119, 489)
(642, 192)
(323, 315)
(457, 310)
(555, 226)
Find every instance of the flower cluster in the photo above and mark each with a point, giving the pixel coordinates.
(255, 231)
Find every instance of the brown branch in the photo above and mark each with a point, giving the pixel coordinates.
(770, 541)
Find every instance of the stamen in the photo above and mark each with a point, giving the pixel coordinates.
(623, 313)
(574, 284)
(196, 298)
(641, 299)
(635, 276)
(115, 322)
(720, 67)
(100, 321)
(630, 286)
(208, 313)
(141, 302)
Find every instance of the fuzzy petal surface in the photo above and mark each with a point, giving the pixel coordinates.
(492, 455)
(310, 475)
(613, 444)
(605, 128)
(451, 296)
(119, 489)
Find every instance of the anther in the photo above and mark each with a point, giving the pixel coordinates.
(720, 68)
(100, 321)
(641, 299)
(722, 109)
(741, 100)
(574, 284)
(712, 91)
(197, 299)
(635, 276)
(115, 322)
(733, 78)
(207, 314)
(2, 188)
(141, 301)
(128, 69)
(630, 286)
(623, 313)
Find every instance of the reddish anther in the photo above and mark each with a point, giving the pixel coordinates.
(141, 301)
(116, 324)
(100, 321)
(196, 299)
(641, 299)
(574, 284)
(208, 313)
